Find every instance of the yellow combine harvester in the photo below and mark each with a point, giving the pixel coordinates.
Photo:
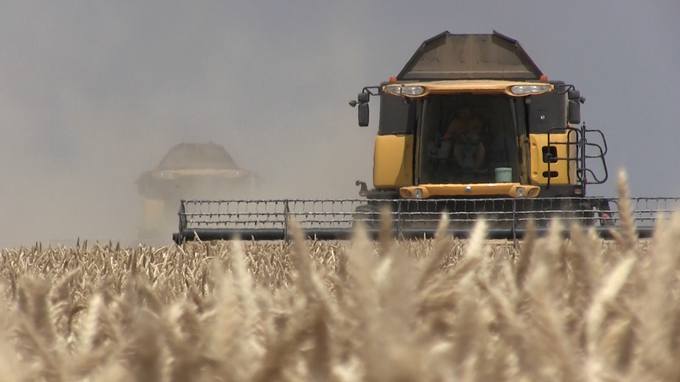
(471, 116)
(470, 126)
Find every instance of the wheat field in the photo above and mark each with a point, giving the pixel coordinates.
(544, 309)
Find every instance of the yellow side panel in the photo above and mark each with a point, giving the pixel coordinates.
(564, 171)
(573, 165)
(393, 161)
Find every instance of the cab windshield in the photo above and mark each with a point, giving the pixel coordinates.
(468, 139)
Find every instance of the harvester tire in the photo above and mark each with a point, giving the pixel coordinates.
(580, 212)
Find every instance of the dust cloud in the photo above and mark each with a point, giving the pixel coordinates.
(93, 95)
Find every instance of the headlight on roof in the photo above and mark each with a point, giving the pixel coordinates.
(166, 175)
(412, 90)
(529, 89)
(405, 90)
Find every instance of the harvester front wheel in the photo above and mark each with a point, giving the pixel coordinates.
(580, 212)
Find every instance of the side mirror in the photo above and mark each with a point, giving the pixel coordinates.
(574, 112)
(363, 114)
(362, 102)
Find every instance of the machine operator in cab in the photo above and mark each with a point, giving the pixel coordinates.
(464, 134)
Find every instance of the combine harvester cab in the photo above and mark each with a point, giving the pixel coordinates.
(470, 127)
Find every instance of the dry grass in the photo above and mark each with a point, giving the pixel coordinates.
(440, 310)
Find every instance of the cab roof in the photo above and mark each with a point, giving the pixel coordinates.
(185, 156)
(449, 56)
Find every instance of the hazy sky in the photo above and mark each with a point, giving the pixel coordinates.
(94, 93)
